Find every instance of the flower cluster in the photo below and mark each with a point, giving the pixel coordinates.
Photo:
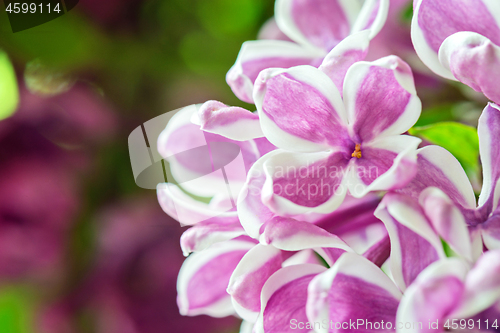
(319, 212)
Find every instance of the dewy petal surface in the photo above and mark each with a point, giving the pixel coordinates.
(474, 60)
(300, 109)
(316, 23)
(354, 288)
(380, 98)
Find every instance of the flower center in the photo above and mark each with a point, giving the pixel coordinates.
(357, 151)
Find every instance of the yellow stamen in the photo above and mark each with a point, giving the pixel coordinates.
(357, 151)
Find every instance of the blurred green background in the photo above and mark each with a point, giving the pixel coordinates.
(143, 58)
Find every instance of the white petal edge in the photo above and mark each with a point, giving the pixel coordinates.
(284, 20)
(453, 171)
(250, 263)
(424, 51)
(285, 207)
(348, 264)
(261, 49)
(196, 261)
(310, 76)
(365, 14)
(185, 209)
(485, 139)
(390, 178)
(460, 237)
(278, 280)
(356, 75)
(443, 268)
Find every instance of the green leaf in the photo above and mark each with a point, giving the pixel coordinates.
(437, 113)
(407, 13)
(459, 139)
(16, 310)
(9, 95)
(448, 251)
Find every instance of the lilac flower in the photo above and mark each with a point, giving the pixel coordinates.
(417, 228)
(208, 158)
(309, 297)
(460, 40)
(315, 27)
(282, 238)
(448, 293)
(216, 221)
(438, 168)
(243, 266)
(341, 144)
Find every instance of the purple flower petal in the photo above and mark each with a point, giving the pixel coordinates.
(231, 122)
(291, 235)
(490, 231)
(209, 232)
(249, 277)
(284, 299)
(447, 220)
(303, 183)
(189, 211)
(372, 16)
(435, 20)
(252, 212)
(379, 252)
(316, 23)
(354, 288)
(489, 148)
(387, 163)
(433, 296)
(204, 277)
(380, 98)
(300, 109)
(473, 60)
(482, 286)
(196, 157)
(437, 167)
(256, 56)
(414, 243)
(352, 49)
